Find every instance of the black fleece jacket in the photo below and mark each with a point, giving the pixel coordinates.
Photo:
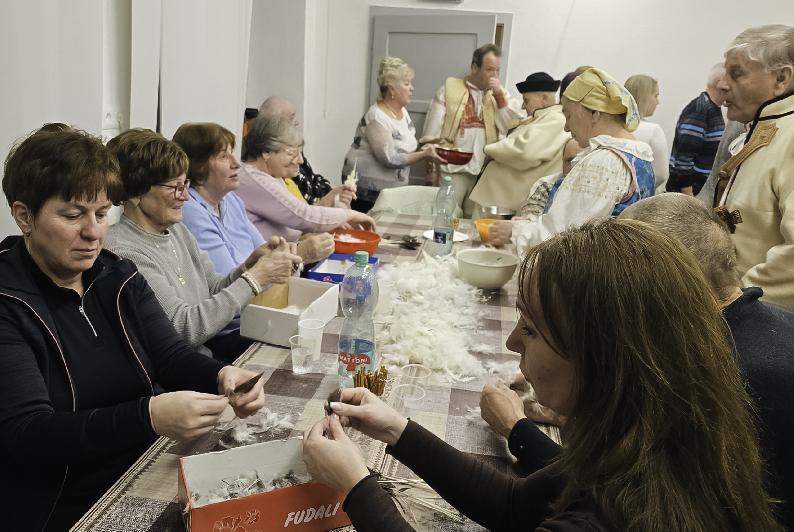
(42, 431)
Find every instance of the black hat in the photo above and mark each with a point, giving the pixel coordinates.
(538, 82)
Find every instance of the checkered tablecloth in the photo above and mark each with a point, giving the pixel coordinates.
(144, 499)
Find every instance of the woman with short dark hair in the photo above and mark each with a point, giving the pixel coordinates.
(619, 332)
(93, 371)
(200, 302)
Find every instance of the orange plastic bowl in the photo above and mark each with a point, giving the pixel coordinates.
(483, 225)
(454, 156)
(369, 244)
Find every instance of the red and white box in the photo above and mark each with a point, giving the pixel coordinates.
(302, 507)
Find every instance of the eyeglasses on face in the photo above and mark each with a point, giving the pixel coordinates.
(179, 190)
(292, 153)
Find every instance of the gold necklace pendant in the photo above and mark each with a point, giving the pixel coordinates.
(179, 277)
(391, 112)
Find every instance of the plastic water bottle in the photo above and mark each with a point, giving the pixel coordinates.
(443, 228)
(358, 296)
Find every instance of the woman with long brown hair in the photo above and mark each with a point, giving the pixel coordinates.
(617, 331)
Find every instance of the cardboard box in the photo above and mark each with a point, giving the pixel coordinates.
(307, 299)
(333, 268)
(304, 507)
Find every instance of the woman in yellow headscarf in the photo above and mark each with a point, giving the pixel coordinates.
(612, 172)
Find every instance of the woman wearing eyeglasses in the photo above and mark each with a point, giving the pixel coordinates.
(272, 155)
(198, 301)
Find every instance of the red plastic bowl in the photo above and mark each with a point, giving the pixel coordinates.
(369, 244)
(454, 156)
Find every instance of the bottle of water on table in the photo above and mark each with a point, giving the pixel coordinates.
(358, 296)
(444, 210)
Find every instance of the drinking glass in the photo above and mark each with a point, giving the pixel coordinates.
(300, 355)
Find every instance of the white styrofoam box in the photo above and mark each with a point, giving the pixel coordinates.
(307, 299)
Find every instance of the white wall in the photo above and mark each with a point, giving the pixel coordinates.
(675, 41)
(145, 29)
(51, 64)
(204, 63)
(277, 52)
(116, 67)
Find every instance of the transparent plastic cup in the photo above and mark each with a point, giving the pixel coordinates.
(311, 331)
(408, 399)
(416, 374)
(385, 297)
(301, 355)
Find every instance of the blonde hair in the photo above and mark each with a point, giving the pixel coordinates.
(392, 70)
(642, 87)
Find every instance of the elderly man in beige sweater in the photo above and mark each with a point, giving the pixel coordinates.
(756, 185)
(532, 150)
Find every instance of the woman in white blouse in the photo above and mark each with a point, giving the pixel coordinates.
(645, 90)
(384, 145)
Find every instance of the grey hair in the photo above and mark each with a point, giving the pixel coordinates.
(392, 70)
(715, 75)
(268, 134)
(697, 227)
(771, 45)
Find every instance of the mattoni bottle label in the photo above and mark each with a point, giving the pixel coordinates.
(353, 360)
(355, 352)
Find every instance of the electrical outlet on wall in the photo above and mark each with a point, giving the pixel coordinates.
(112, 119)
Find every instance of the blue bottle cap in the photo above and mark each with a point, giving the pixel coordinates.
(446, 179)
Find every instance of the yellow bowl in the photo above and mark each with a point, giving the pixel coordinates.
(483, 225)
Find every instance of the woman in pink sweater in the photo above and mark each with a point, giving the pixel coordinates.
(273, 202)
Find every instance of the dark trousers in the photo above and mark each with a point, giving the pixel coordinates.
(227, 347)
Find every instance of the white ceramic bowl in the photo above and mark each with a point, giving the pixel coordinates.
(486, 268)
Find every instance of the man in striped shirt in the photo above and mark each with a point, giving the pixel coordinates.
(697, 137)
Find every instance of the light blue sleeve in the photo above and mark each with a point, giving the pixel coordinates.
(241, 218)
(209, 238)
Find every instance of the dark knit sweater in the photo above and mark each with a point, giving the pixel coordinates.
(697, 137)
(764, 336)
(492, 499)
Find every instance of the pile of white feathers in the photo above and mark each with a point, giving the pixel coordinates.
(432, 317)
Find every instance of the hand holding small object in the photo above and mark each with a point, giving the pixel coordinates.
(275, 243)
(361, 220)
(501, 408)
(244, 388)
(330, 456)
(340, 196)
(500, 232)
(364, 411)
(314, 247)
(276, 267)
(430, 154)
(185, 415)
(543, 414)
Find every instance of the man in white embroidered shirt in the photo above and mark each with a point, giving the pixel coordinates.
(465, 115)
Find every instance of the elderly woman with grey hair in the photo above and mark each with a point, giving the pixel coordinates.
(384, 145)
(273, 202)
